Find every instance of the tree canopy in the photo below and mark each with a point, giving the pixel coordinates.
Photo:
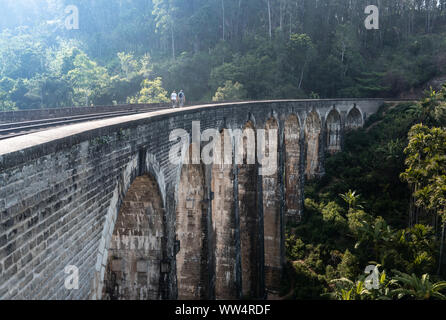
(274, 49)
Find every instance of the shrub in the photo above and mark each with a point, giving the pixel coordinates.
(230, 92)
(348, 268)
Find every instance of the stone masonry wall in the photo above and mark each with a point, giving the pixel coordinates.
(38, 114)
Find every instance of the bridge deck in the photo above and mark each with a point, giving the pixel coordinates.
(22, 142)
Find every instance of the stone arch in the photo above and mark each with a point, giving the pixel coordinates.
(123, 184)
(313, 128)
(354, 119)
(135, 253)
(249, 217)
(293, 192)
(333, 129)
(271, 216)
(154, 168)
(190, 231)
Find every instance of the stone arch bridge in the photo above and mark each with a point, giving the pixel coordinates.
(103, 197)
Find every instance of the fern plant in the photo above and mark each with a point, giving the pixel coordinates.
(422, 288)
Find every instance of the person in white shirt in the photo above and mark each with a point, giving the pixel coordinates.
(173, 98)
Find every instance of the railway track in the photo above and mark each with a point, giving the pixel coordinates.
(10, 130)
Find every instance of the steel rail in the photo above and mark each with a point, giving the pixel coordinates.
(10, 130)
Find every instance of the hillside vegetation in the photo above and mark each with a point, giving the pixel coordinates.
(140, 50)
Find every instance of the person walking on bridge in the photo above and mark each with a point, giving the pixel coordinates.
(182, 98)
(174, 99)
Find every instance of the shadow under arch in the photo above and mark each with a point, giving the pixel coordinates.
(354, 119)
(272, 223)
(333, 130)
(250, 235)
(135, 254)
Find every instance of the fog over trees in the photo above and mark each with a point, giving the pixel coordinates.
(270, 49)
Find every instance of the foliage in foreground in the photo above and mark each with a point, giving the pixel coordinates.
(401, 286)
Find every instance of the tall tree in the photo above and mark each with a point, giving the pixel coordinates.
(426, 162)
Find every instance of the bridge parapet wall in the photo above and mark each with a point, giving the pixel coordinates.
(39, 114)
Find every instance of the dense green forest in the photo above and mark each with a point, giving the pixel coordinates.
(139, 50)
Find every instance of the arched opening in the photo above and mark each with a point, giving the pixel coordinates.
(292, 169)
(249, 216)
(135, 254)
(333, 125)
(190, 231)
(271, 215)
(224, 223)
(313, 128)
(354, 119)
